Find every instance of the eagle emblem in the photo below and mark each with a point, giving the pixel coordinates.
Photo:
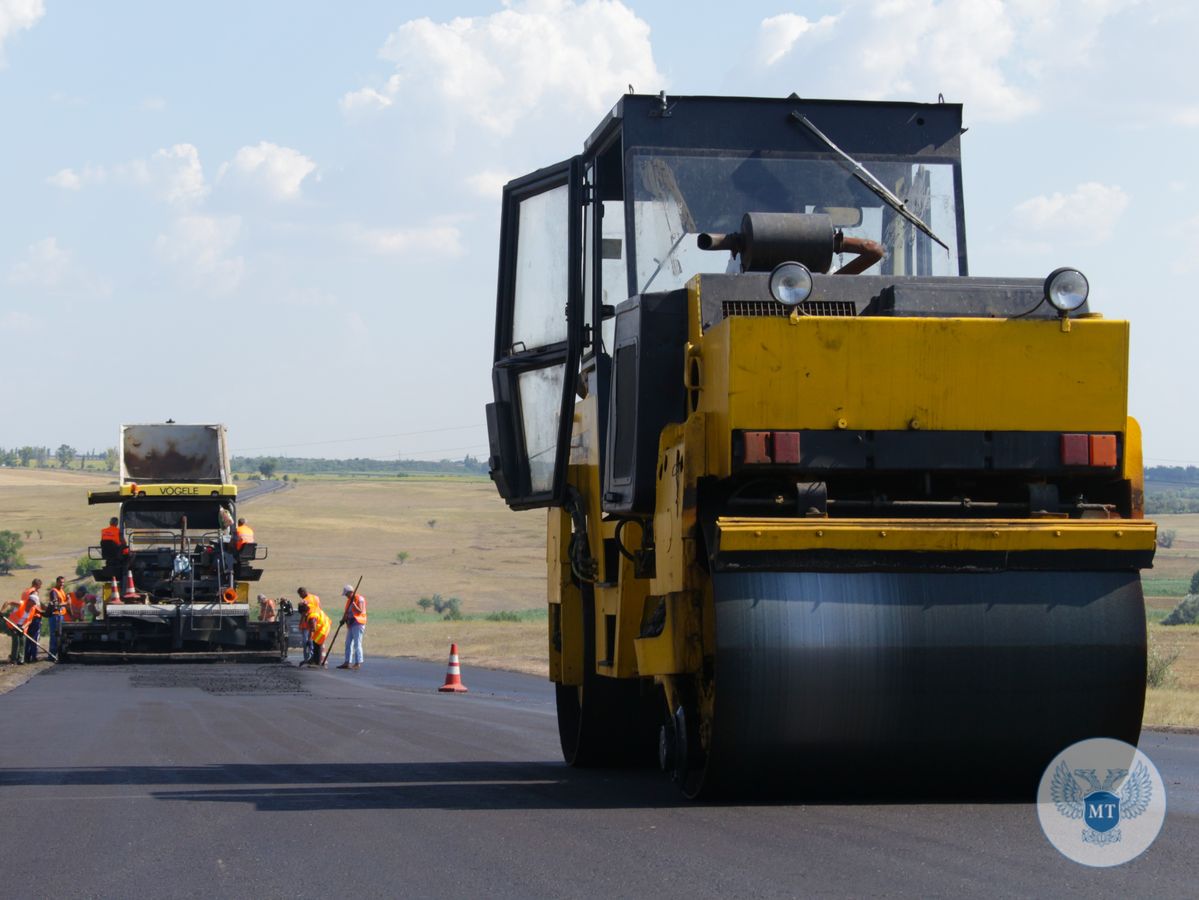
(1100, 805)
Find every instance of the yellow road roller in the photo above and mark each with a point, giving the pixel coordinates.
(820, 504)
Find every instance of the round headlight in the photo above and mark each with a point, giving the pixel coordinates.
(790, 283)
(1066, 289)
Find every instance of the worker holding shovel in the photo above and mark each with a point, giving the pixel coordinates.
(17, 656)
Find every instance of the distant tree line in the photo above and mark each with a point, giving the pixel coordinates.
(269, 465)
(65, 457)
(68, 457)
(1171, 489)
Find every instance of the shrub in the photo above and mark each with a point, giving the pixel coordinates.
(1185, 613)
(432, 523)
(85, 565)
(10, 550)
(504, 615)
(1194, 584)
(401, 557)
(448, 608)
(1157, 670)
(1165, 537)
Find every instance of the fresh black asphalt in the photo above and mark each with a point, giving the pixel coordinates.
(266, 781)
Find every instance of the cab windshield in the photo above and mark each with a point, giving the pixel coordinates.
(677, 196)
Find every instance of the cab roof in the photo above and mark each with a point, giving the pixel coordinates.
(923, 130)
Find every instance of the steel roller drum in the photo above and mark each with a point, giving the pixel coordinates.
(973, 679)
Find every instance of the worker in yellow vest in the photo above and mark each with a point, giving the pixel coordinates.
(314, 602)
(318, 625)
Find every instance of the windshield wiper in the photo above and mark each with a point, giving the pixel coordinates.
(863, 175)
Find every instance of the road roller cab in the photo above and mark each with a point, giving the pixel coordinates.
(814, 493)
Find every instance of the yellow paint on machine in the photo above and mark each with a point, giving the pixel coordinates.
(934, 535)
(180, 490)
(885, 373)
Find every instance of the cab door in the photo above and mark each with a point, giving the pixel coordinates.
(538, 335)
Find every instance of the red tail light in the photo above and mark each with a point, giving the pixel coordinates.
(770, 447)
(1099, 450)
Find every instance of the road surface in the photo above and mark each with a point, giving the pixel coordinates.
(266, 781)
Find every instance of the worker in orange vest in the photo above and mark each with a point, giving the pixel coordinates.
(354, 618)
(245, 535)
(317, 624)
(29, 617)
(56, 607)
(112, 532)
(77, 605)
(21, 617)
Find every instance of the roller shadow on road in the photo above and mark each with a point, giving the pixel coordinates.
(442, 785)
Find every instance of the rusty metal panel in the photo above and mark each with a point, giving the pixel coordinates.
(171, 453)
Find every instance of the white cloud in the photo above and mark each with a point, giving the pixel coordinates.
(16, 322)
(199, 247)
(532, 55)
(488, 183)
(365, 100)
(17, 15)
(778, 34)
(173, 173)
(66, 179)
(1086, 215)
(431, 240)
(50, 268)
(44, 265)
(279, 171)
(996, 57)
(1188, 117)
(70, 180)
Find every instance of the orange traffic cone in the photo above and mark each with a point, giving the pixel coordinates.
(114, 593)
(131, 593)
(453, 676)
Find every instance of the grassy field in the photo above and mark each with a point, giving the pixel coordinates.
(1165, 584)
(461, 541)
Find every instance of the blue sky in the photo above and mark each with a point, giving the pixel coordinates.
(283, 215)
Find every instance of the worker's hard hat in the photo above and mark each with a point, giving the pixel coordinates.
(348, 589)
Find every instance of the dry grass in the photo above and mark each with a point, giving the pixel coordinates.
(518, 646)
